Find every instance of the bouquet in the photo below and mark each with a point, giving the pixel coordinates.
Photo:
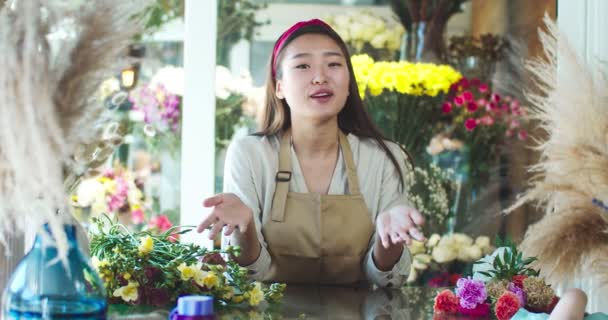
(237, 102)
(477, 122)
(402, 97)
(430, 190)
(502, 284)
(114, 193)
(141, 268)
(366, 33)
(441, 261)
(156, 110)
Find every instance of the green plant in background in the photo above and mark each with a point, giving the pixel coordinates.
(236, 21)
(160, 12)
(404, 98)
(431, 190)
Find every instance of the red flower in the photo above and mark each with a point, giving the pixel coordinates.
(472, 106)
(507, 305)
(464, 82)
(475, 82)
(446, 301)
(467, 95)
(470, 124)
(496, 97)
(483, 88)
(482, 310)
(161, 222)
(459, 101)
(518, 280)
(454, 278)
(447, 107)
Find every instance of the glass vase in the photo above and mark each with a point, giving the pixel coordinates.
(43, 287)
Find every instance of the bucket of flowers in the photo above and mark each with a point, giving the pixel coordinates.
(147, 269)
(502, 285)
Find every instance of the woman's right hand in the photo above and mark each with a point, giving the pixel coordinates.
(228, 210)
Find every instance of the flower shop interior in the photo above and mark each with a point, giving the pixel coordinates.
(119, 117)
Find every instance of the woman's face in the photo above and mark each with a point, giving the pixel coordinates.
(314, 79)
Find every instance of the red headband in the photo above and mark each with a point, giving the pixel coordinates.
(279, 44)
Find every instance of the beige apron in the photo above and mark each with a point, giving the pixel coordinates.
(314, 238)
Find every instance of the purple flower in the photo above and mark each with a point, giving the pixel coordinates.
(471, 292)
(519, 292)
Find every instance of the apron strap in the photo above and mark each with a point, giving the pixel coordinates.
(282, 179)
(351, 170)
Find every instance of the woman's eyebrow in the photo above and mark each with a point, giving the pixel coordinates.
(306, 54)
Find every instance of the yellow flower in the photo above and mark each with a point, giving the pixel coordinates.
(146, 245)
(256, 295)
(188, 272)
(126, 275)
(228, 294)
(128, 292)
(237, 299)
(97, 264)
(208, 279)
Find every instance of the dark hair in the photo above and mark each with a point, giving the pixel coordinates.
(353, 118)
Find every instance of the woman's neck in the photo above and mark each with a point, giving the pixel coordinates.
(315, 140)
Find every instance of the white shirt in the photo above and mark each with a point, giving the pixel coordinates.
(250, 169)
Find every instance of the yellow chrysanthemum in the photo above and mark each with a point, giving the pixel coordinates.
(146, 245)
(256, 295)
(128, 292)
(417, 79)
(126, 275)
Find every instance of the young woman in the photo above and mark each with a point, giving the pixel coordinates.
(318, 195)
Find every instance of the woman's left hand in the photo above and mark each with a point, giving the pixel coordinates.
(399, 225)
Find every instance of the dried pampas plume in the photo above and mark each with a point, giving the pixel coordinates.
(53, 56)
(572, 107)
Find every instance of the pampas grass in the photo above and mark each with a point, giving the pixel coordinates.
(572, 107)
(53, 58)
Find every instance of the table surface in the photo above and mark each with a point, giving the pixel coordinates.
(314, 302)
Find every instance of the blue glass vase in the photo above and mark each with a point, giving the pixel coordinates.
(43, 288)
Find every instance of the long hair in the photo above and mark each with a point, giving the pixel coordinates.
(353, 118)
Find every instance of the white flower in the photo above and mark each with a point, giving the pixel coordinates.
(416, 247)
(412, 276)
(433, 240)
(443, 254)
(462, 239)
(378, 41)
(342, 21)
(87, 191)
(483, 242)
(172, 78)
(471, 253)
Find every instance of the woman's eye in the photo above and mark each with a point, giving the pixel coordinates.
(302, 66)
(335, 64)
